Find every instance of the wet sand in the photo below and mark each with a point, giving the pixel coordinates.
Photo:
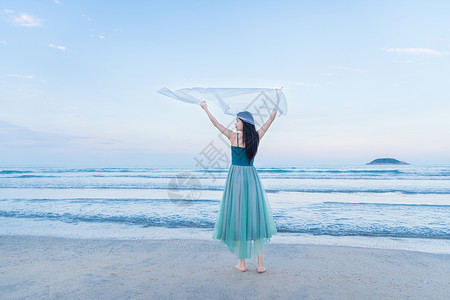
(63, 268)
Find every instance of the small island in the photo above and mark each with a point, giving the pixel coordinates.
(387, 161)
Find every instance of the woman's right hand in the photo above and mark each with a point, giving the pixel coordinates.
(203, 105)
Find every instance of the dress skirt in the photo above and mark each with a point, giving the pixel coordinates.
(244, 222)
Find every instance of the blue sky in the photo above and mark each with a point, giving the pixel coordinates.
(363, 79)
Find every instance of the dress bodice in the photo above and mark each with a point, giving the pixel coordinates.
(239, 157)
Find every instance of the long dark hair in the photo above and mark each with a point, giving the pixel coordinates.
(251, 140)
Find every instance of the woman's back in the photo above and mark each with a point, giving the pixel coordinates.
(237, 140)
(239, 155)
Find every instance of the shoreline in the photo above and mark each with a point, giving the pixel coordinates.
(62, 267)
(27, 227)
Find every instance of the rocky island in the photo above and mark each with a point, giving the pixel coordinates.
(387, 161)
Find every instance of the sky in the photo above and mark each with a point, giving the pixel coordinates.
(362, 79)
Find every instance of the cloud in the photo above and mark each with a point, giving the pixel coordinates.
(57, 1)
(4, 43)
(25, 77)
(71, 112)
(18, 138)
(26, 20)
(415, 51)
(62, 48)
(21, 76)
(13, 135)
(99, 36)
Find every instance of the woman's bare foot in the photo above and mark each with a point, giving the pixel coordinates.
(240, 268)
(260, 264)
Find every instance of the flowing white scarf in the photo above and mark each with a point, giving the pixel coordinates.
(260, 102)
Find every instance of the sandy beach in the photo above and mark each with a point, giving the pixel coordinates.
(63, 268)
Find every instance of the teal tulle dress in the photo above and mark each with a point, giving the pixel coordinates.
(244, 222)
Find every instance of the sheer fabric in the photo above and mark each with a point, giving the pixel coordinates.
(258, 101)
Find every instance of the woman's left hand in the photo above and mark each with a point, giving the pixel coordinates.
(203, 105)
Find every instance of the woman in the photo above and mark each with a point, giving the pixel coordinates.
(244, 222)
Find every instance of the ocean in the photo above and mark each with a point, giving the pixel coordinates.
(395, 207)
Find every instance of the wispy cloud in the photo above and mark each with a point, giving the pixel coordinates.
(426, 51)
(18, 136)
(62, 48)
(57, 1)
(98, 36)
(4, 43)
(71, 112)
(24, 19)
(21, 76)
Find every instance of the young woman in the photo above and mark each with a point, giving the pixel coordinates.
(244, 222)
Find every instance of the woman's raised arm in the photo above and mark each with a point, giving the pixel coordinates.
(266, 125)
(225, 131)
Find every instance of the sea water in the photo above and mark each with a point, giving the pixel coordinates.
(394, 207)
